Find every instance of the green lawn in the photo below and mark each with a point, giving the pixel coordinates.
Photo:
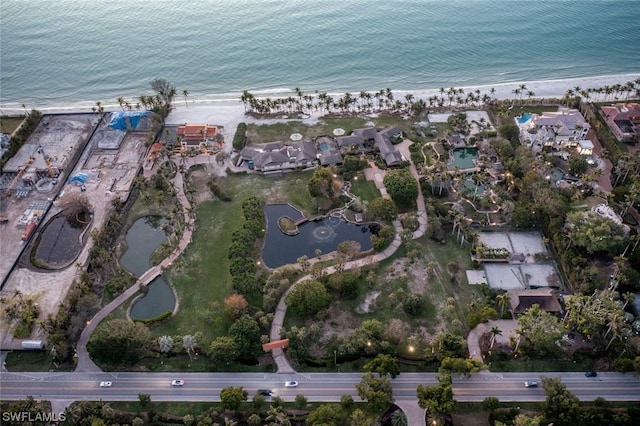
(282, 131)
(540, 365)
(201, 276)
(364, 189)
(441, 286)
(9, 124)
(34, 361)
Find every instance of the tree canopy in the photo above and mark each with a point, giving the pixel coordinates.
(321, 183)
(383, 365)
(561, 406)
(119, 341)
(594, 233)
(376, 391)
(402, 187)
(540, 330)
(383, 209)
(437, 400)
(308, 297)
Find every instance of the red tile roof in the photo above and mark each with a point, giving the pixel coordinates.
(197, 132)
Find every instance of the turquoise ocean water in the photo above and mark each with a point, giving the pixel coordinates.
(75, 51)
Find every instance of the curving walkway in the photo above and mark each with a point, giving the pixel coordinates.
(85, 364)
(415, 414)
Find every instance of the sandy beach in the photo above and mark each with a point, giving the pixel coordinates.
(228, 112)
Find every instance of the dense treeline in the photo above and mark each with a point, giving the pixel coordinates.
(243, 268)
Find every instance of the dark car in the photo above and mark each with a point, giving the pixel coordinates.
(265, 392)
(590, 374)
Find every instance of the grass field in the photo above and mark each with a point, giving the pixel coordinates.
(9, 124)
(201, 277)
(364, 189)
(325, 126)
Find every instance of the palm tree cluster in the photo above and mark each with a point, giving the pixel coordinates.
(379, 101)
(607, 93)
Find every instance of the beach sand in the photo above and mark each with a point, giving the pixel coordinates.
(229, 112)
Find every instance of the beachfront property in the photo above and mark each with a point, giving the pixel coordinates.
(324, 151)
(624, 121)
(564, 128)
(276, 156)
(48, 152)
(199, 135)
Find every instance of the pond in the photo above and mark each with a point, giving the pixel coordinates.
(143, 238)
(324, 235)
(158, 300)
(59, 243)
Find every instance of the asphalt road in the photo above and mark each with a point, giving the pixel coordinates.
(315, 386)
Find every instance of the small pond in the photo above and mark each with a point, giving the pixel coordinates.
(59, 242)
(143, 238)
(326, 234)
(158, 300)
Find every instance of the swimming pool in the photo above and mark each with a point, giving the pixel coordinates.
(524, 118)
(323, 146)
(463, 158)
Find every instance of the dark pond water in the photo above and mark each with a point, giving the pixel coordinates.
(158, 300)
(281, 249)
(143, 238)
(60, 242)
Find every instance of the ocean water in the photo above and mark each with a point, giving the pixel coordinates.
(76, 52)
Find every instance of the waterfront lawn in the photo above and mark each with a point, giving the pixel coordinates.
(257, 134)
(8, 125)
(201, 275)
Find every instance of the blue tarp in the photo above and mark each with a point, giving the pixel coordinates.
(78, 177)
(119, 119)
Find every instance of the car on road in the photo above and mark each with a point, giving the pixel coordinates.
(590, 374)
(105, 384)
(530, 384)
(177, 383)
(291, 384)
(265, 392)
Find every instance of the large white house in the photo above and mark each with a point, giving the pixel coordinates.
(561, 129)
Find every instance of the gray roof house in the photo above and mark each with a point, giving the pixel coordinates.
(389, 154)
(366, 133)
(277, 156)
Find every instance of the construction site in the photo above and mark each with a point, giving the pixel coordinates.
(96, 154)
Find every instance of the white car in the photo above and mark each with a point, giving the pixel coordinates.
(105, 384)
(531, 384)
(291, 384)
(177, 383)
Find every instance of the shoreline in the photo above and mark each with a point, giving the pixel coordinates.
(541, 88)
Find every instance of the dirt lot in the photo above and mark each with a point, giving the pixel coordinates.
(110, 174)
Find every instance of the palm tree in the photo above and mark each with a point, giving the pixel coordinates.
(495, 331)
(190, 344)
(185, 93)
(277, 417)
(398, 418)
(504, 301)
